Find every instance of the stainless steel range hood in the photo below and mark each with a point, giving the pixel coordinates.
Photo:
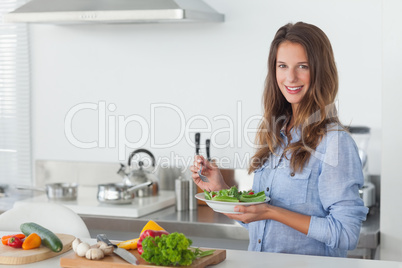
(113, 11)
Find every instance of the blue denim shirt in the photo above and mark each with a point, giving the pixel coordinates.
(327, 189)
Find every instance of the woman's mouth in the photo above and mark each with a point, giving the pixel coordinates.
(293, 90)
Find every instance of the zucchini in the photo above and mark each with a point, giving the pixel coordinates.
(49, 239)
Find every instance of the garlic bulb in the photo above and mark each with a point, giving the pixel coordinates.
(94, 254)
(106, 249)
(82, 249)
(76, 242)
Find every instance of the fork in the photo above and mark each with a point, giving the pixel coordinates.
(197, 152)
(203, 178)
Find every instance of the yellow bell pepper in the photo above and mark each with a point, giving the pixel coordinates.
(132, 243)
(129, 244)
(151, 225)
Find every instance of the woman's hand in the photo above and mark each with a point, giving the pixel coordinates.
(251, 213)
(212, 172)
(265, 211)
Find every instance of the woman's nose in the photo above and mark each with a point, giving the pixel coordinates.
(291, 76)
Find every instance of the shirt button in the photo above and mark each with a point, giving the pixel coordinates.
(292, 174)
(267, 189)
(259, 241)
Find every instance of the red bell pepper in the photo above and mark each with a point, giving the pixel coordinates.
(146, 233)
(15, 242)
(5, 238)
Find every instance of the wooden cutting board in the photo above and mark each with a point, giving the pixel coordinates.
(10, 255)
(72, 260)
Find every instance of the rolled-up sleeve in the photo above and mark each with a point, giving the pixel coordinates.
(339, 182)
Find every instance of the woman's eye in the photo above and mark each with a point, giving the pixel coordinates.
(282, 66)
(303, 66)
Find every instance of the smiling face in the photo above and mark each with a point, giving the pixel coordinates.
(292, 72)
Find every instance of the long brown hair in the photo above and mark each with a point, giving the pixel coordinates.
(315, 111)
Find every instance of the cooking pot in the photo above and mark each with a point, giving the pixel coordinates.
(140, 175)
(56, 191)
(119, 193)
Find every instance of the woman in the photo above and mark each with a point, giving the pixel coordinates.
(306, 163)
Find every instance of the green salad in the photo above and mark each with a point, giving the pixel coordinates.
(234, 195)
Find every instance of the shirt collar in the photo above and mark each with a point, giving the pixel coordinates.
(294, 132)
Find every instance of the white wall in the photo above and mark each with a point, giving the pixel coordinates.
(391, 180)
(202, 69)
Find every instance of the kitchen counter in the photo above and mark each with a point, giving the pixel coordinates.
(204, 226)
(240, 258)
(12, 195)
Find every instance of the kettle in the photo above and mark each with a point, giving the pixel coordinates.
(137, 176)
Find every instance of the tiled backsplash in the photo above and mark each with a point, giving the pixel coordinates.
(83, 173)
(94, 173)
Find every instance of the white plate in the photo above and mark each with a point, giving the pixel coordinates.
(226, 207)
